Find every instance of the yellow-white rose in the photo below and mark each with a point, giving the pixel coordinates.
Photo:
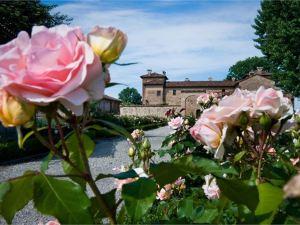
(107, 43)
(14, 112)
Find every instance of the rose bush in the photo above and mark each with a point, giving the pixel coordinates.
(237, 163)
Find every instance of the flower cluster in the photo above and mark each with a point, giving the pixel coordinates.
(206, 98)
(167, 191)
(58, 64)
(137, 134)
(256, 111)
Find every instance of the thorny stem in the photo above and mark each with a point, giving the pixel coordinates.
(261, 153)
(50, 137)
(62, 137)
(89, 178)
(53, 149)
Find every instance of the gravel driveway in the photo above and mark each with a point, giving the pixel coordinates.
(109, 153)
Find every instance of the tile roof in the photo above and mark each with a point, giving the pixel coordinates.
(156, 75)
(224, 83)
(111, 98)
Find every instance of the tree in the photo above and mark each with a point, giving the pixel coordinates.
(241, 68)
(16, 16)
(277, 26)
(130, 96)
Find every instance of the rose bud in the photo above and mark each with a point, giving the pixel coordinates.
(146, 144)
(131, 152)
(143, 155)
(107, 43)
(243, 120)
(265, 122)
(13, 111)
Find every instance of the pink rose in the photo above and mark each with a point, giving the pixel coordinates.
(165, 193)
(230, 107)
(270, 101)
(210, 188)
(55, 64)
(207, 132)
(51, 222)
(55, 222)
(176, 123)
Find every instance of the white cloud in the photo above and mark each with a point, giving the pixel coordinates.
(196, 44)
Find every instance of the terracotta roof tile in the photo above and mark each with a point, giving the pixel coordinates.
(111, 98)
(225, 83)
(156, 75)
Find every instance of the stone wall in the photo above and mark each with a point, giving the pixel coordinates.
(151, 97)
(146, 110)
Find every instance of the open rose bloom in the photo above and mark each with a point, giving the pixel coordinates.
(241, 109)
(176, 122)
(55, 64)
(210, 188)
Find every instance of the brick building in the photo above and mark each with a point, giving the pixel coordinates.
(159, 91)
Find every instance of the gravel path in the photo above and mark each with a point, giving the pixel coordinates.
(109, 153)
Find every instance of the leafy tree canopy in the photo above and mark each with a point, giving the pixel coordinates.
(277, 26)
(16, 16)
(130, 96)
(241, 68)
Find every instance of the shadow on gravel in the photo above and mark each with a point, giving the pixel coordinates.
(107, 147)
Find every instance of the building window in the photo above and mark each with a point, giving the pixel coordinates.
(223, 92)
(174, 92)
(158, 93)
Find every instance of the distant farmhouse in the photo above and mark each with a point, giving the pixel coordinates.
(160, 94)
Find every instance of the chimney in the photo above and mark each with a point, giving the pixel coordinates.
(259, 68)
(149, 71)
(186, 79)
(164, 72)
(210, 78)
(233, 78)
(251, 73)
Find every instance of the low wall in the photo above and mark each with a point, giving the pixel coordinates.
(146, 110)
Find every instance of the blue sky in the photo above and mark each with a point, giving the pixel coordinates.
(188, 39)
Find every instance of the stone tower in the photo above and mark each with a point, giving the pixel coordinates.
(154, 88)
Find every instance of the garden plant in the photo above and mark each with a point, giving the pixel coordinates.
(236, 163)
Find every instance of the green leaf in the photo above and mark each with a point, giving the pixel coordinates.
(62, 199)
(122, 131)
(125, 175)
(97, 210)
(19, 194)
(239, 156)
(206, 216)
(125, 64)
(239, 192)
(120, 176)
(167, 172)
(45, 162)
(139, 197)
(72, 144)
(99, 128)
(185, 208)
(270, 198)
(28, 135)
(111, 84)
(121, 215)
(4, 188)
